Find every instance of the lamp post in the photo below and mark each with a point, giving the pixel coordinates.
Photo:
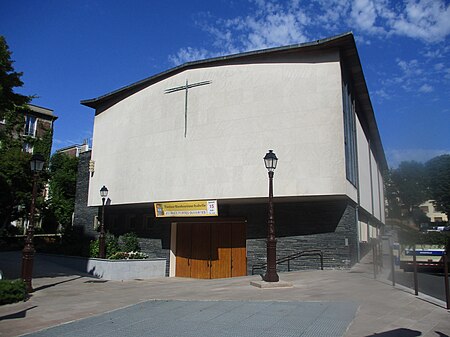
(101, 241)
(37, 164)
(270, 160)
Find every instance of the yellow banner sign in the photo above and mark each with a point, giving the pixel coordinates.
(186, 208)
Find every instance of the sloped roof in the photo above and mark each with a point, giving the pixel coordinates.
(42, 111)
(345, 43)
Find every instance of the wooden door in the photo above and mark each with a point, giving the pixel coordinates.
(201, 250)
(211, 250)
(183, 255)
(220, 250)
(239, 250)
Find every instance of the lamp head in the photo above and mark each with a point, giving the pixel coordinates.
(270, 160)
(104, 192)
(37, 162)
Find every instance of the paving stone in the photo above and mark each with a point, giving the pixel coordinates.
(206, 318)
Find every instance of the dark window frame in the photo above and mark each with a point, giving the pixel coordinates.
(350, 137)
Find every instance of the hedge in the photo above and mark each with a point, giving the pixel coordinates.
(12, 291)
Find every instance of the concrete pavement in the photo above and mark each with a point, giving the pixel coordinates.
(372, 307)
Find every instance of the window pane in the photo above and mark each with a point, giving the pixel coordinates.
(30, 126)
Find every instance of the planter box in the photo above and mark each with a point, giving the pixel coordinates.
(115, 270)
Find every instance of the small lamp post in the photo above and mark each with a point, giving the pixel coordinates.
(37, 164)
(101, 241)
(270, 160)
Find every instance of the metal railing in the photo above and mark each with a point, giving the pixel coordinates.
(444, 263)
(289, 258)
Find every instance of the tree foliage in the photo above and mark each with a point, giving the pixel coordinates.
(412, 183)
(62, 187)
(408, 186)
(438, 170)
(15, 175)
(9, 79)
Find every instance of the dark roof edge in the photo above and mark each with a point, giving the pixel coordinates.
(40, 110)
(376, 133)
(96, 102)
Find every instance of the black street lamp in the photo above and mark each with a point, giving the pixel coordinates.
(270, 160)
(37, 164)
(101, 241)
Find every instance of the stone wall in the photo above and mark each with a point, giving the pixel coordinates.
(339, 247)
(154, 249)
(83, 220)
(329, 226)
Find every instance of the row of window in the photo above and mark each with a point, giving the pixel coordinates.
(30, 125)
(351, 165)
(29, 130)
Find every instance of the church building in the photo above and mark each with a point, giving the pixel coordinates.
(181, 154)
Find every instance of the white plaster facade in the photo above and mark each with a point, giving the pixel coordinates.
(246, 110)
(292, 104)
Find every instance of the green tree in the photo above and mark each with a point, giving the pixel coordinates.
(62, 187)
(394, 210)
(438, 170)
(15, 175)
(410, 181)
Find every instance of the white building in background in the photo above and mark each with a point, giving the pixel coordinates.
(198, 132)
(431, 212)
(75, 150)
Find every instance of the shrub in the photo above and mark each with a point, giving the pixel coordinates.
(130, 242)
(12, 291)
(94, 249)
(111, 243)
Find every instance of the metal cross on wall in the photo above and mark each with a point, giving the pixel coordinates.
(186, 88)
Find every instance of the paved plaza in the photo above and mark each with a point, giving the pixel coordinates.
(320, 303)
(215, 318)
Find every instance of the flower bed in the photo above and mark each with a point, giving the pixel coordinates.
(128, 256)
(117, 270)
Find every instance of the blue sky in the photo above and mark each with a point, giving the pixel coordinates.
(74, 50)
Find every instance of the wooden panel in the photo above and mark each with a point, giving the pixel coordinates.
(239, 250)
(183, 254)
(201, 250)
(220, 250)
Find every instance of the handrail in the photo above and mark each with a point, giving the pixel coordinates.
(288, 259)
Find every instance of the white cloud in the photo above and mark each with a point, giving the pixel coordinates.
(410, 68)
(409, 77)
(447, 74)
(382, 94)
(332, 13)
(414, 76)
(434, 52)
(426, 88)
(270, 23)
(396, 156)
(428, 20)
(439, 66)
(364, 15)
(189, 54)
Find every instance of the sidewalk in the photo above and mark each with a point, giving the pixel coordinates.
(378, 307)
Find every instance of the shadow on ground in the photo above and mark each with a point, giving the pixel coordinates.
(19, 314)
